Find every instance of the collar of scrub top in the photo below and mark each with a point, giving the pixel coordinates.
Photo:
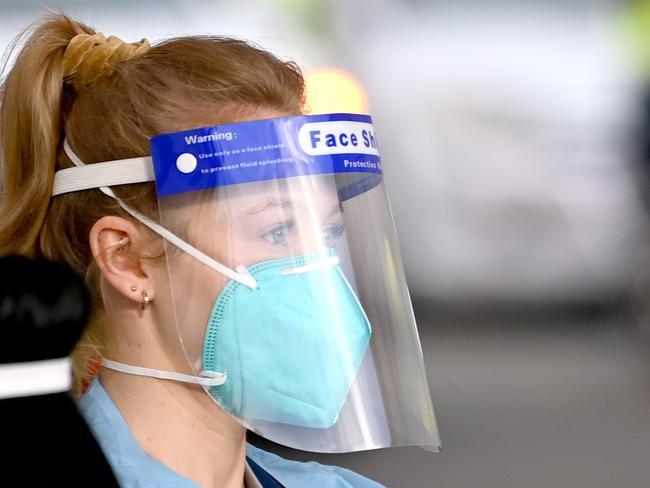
(103, 175)
(262, 477)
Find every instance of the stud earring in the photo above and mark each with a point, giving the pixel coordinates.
(146, 300)
(134, 288)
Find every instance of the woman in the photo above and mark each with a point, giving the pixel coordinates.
(75, 97)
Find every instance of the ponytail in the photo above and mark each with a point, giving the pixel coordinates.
(31, 116)
(109, 98)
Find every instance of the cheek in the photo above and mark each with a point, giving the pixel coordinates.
(250, 252)
(195, 289)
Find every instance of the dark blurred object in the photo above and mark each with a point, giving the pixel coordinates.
(43, 310)
(641, 285)
(43, 305)
(642, 142)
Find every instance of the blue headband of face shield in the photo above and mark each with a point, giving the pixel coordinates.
(270, 351)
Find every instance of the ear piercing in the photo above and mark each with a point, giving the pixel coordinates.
(119, 244)
(146, 300)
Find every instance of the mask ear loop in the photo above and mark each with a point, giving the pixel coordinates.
(207, 378)
(243, 278)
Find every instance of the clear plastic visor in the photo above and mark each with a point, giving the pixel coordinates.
(322, 354)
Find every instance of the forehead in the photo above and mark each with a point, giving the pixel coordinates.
(296, 189)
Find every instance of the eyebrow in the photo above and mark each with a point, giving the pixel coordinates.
(338, 208)
(268, 205)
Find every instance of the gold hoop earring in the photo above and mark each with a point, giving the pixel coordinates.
(146, 301)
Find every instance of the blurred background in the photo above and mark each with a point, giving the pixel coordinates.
(516, 147)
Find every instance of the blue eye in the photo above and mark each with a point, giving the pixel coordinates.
(278, 235)
(334, 231)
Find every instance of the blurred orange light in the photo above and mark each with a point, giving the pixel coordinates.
(332, 90)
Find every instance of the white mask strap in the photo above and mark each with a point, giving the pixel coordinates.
(35, 378)
(243, 278)
(207, 378)
(323, 263)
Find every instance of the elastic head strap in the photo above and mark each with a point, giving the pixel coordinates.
(137, 170)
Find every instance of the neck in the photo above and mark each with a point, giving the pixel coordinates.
(180, 426)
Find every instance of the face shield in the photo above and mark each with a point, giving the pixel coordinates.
(288, 296)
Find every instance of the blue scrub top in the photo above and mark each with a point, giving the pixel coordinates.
(134, 468)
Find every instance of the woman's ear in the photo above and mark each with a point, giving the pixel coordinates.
(117, 246)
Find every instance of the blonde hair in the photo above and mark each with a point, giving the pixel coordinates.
(109, 109)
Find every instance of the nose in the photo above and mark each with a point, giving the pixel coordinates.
(310, 238)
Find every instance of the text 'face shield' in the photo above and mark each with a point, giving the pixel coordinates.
(296, 290)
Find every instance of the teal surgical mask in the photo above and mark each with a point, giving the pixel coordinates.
(285, 351)
(292, 346)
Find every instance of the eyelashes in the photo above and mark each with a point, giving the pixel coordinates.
(333, 232)
(280, 234)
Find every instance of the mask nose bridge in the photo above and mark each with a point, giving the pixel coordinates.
(325, 262)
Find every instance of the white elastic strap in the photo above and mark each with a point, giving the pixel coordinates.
(110, 173)
(324, 263)
(244, 279)
(35, 378)
(207, 378)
